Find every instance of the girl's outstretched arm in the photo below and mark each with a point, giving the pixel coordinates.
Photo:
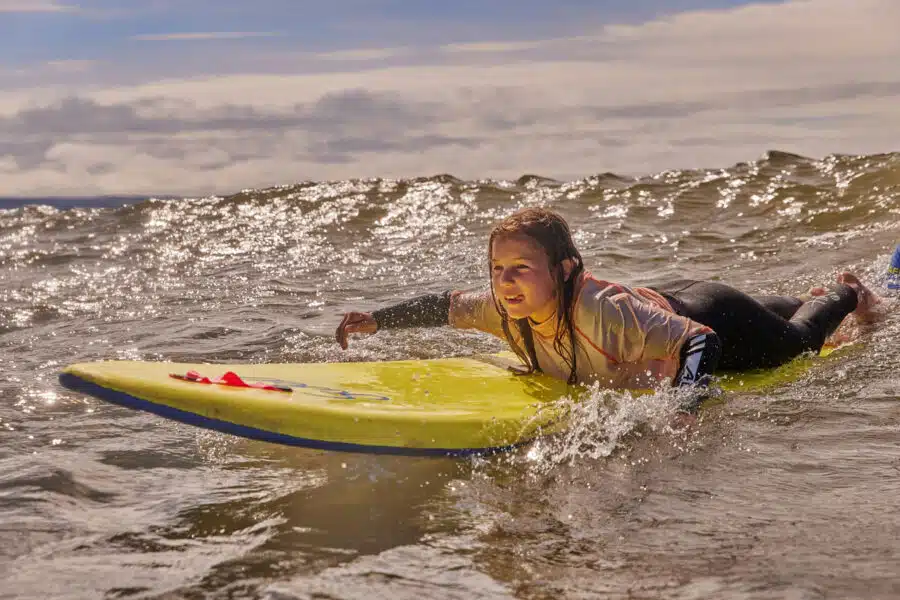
(430, 310)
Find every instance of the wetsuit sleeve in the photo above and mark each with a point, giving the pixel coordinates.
(430, 310)
(699, 357)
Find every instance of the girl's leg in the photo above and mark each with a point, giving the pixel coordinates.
(784, 306)
(787, 306)
(752, 335)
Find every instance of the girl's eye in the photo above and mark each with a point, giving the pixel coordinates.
(521, 267)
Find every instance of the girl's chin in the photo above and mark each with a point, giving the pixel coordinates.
(517, 312)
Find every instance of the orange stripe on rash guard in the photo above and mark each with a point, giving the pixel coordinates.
(595, 346)
(655, 297)
(585, 276)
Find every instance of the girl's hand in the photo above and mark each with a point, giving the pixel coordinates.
(354, 322)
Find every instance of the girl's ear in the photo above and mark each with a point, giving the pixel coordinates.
(568, 265)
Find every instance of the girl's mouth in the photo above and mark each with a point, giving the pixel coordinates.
(513, 300)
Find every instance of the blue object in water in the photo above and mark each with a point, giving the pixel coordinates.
(893, 274)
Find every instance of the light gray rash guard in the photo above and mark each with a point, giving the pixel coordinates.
(626, 337)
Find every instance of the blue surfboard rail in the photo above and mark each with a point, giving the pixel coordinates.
(77, 384)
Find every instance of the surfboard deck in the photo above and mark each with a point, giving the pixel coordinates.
(442, 406)
(446, 406)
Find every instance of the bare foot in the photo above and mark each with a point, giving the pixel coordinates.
(866, 298)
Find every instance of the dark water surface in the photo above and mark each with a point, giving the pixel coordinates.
(789, 494)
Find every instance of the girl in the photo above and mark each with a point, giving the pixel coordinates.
(562, 321)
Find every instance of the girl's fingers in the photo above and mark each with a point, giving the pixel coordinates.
(340, 333)
(353, 323)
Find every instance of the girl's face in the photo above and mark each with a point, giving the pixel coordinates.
(521, 278)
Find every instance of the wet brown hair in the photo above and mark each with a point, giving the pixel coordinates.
(551, 232)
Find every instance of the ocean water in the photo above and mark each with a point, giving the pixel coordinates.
(788, 494)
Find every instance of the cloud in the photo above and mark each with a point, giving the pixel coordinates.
(333, 129)
(335, 113)
(363, 54)
(700, 89)
(33, 6)
(202, 36)
(70, 65)
(494, 47)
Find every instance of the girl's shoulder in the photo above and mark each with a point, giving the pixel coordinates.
(593, 293)
(590, 287)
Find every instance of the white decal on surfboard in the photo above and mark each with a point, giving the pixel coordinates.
(323, 391)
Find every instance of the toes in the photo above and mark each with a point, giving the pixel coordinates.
(848, 278)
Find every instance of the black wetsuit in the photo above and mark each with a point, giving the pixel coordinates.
(764, 331)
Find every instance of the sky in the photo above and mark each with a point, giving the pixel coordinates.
(197, 97)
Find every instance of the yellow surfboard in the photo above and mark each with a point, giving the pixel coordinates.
(447, 406)
(441, 406)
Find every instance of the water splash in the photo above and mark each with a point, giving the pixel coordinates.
(599, 421)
